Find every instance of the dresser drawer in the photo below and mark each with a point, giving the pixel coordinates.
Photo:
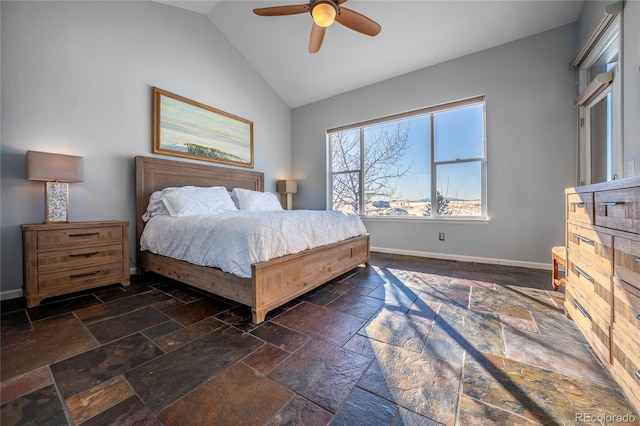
(595, 247)
(592, 280)
(79, 257)
(626, 309)
(618, 209)
(594, 327)
(78, 237)
(627, 260)
(580, 207)
(80, 278)
(626, 364)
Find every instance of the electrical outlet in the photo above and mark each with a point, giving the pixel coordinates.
(441, 236)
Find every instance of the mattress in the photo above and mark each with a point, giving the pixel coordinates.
(233, 241)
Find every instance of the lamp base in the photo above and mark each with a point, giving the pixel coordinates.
(286, 201)
(57, 202)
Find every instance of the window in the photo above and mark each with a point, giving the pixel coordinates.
(599, 102)
(429, 163)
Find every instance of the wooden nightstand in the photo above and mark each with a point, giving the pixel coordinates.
(66, 257)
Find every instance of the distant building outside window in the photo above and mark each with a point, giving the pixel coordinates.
(429, 163)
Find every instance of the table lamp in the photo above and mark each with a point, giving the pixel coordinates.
(286, 188)
(57, 170)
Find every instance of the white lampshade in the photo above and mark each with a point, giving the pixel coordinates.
(50, 167)
(287, 186)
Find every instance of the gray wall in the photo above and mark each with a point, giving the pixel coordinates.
(531, 139)
(591, 13)
(77, 79)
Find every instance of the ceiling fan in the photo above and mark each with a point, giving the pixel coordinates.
(324, 13)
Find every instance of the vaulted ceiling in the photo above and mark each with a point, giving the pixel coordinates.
(415, 34)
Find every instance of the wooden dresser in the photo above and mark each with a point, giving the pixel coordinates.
(62, 258)
(603, 275)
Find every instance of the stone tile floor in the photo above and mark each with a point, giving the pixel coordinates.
(405, 341)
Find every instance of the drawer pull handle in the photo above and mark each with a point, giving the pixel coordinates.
(578, 203)
(86, 274)
(581, 309)
(611, 203)
(86, 234)
(584, 239)
(638, 317)
(638, 374)
(638, 259)
(93, 253)
(583, 273)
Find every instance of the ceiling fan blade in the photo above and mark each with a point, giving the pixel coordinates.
(282, 10)
(357, 22)
(317, 35)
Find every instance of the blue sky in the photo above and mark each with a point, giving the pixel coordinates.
(459, 134)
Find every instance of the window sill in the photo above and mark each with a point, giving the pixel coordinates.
(474, 220)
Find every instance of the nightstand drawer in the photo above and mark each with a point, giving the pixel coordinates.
(80, 278)
(78, 237)
(75, 258)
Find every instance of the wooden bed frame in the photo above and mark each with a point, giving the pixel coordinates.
(272, 283)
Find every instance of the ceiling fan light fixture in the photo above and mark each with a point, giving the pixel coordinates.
(324, 12)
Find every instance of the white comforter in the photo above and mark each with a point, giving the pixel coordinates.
(232, 241)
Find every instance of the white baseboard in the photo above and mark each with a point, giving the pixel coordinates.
(10, 294)
(445, 256)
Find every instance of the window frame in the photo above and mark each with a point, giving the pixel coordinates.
(431, 111)
(612, 34)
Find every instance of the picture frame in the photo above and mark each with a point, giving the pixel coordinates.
(189, 129)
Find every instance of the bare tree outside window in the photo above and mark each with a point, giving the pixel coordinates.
(384, 145)
(345, 164)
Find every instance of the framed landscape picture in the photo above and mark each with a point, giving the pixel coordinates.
(186, 128)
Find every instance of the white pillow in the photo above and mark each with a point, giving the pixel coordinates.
(256, 201)
(196, 201)
(156, 206)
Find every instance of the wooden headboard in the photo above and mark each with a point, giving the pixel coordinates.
(155, 174)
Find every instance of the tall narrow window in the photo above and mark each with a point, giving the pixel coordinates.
(600, 101)
(427, 163)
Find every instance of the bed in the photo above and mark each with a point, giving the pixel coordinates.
(272, 283)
